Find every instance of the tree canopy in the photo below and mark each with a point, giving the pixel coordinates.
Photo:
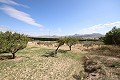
(12, 42)
(112, 37)
(70, 41)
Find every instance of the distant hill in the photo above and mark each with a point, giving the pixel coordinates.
(93, 35)
(46, 36)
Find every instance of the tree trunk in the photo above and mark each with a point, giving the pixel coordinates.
(57, 50)
(114, 41)
(13, 55)
(70, 47)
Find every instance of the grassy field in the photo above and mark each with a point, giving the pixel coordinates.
(31, 64)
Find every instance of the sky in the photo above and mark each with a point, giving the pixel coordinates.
(59, 17)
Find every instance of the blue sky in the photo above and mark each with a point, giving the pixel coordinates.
(59, 17)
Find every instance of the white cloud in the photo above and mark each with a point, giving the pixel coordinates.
(101, 28)
(11, 2)
(22, 16)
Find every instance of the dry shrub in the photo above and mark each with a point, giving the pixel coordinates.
(108, 50)
(92, 69)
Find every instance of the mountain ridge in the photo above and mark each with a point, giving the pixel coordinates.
(93, 35)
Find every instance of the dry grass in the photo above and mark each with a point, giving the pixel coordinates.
(108, 50)
(108, 57)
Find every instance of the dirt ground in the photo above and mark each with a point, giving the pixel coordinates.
(75, 48)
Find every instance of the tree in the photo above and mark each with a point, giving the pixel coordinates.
(2, 42)
(60, 42)
(12, 42)
(112, 37)
(70, 41)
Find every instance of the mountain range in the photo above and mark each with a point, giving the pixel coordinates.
(93, 35)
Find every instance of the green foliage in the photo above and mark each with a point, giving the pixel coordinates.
(87, 43)
(112, 37)
(61, 41)
(70, 41)
(12, 42)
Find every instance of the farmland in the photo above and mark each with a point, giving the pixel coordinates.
(32, 64)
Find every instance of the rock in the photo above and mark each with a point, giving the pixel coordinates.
(93, 74)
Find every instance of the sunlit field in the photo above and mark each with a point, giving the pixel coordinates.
(34, 62)
(31, 64)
